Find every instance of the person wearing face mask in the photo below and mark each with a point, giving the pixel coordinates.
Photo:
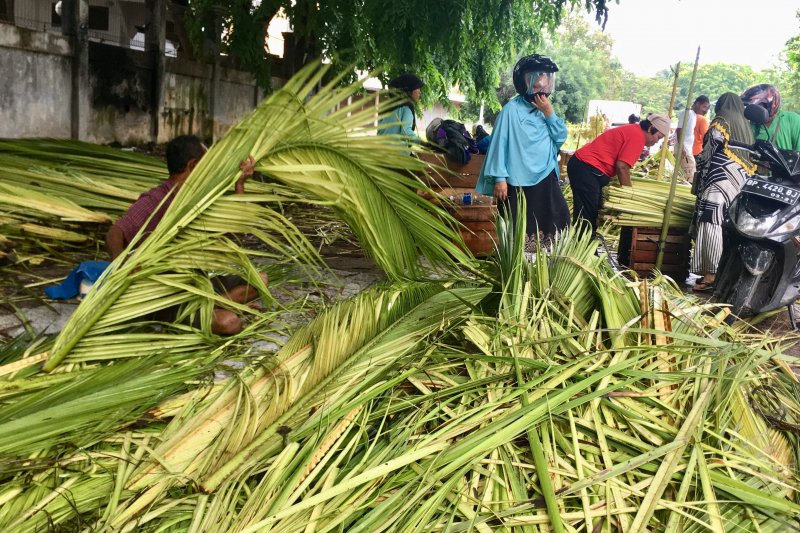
(523, 156)
(783, 127)
(611, 154)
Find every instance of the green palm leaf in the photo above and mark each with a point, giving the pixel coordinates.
(301, 140)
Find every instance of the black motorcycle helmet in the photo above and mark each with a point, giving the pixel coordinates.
(528, 64)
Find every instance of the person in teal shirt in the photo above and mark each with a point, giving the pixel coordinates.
(523, 155)
(402, 121)
(782, 127)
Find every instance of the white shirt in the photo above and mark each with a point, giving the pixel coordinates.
(688, 134)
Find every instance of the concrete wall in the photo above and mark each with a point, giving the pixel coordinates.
(35, 84)
(121, 95)
(186, 110)
(35, 101)
(187, 99)
(238, 96)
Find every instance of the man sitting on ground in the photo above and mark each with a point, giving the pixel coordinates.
(183, 154)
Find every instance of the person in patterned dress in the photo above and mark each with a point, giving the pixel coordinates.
(721, 172)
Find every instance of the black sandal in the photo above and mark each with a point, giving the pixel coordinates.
(704, 287)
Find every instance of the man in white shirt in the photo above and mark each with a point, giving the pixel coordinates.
(700, 105)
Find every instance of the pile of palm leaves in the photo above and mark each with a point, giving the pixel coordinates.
(58, 198)
(62, 194)
(543, 395)
(306, 150)
(561, 397)
(644, 204)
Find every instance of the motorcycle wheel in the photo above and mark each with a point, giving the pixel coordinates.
(735, 285)
(742, 294)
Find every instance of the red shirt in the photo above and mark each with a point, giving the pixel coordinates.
(623, 143)
(143, 207)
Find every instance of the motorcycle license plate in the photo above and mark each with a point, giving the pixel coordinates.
(766, 189)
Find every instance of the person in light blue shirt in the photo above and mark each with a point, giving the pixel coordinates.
(402, 121)
(523, 155)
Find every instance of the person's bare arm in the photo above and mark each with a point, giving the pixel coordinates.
(624, 174)
(115, 242)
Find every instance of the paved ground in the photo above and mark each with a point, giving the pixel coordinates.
(352, 272)
(24, 306)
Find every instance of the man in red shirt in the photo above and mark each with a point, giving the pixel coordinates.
(183, 154)
(700, 129)
(613, 153)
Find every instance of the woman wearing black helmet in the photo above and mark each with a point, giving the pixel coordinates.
(402, 120)
(782, 127)
(523, 155)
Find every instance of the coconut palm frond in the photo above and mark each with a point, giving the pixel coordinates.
(357, 337)
(18, 197)
(399, 316)
(365, 178)
(298, 142)
(82, 157)
(419, 401)
(91, 404)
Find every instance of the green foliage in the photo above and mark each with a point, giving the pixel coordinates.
(446, 43)
(587, 69)
(652, 93)
(234, 27)
(470, 111)
(790, 82)
(714, 79)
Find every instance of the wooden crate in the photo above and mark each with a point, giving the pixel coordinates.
(478, 235)
(465, 176)
(644, 251)
(478, 219)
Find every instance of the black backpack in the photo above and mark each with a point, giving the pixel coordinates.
(456, 141)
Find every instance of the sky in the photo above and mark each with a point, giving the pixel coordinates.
(651, 35)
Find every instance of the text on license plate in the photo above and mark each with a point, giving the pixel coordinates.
(772, 190)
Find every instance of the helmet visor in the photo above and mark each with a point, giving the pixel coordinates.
(540, 82)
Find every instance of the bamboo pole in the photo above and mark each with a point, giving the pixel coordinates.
(665, 145)
(674, 183)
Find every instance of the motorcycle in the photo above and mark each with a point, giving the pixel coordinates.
(759, 269)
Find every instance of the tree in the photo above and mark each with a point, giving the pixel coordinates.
(651, 93)
(587, 69)
(447, 43)
(713, 79)
(790, 79)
